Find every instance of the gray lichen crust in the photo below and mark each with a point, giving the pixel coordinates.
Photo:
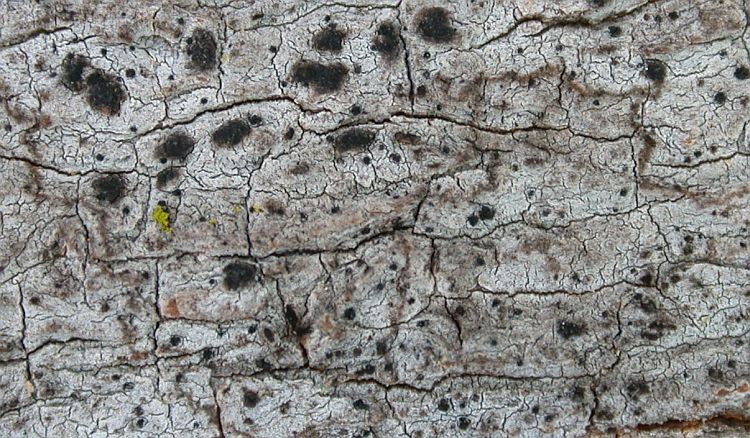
(476, 218)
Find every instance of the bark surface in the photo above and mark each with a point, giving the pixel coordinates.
(477, 218)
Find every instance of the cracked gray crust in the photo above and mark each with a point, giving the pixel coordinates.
(240, 218)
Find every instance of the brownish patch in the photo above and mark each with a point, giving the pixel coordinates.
(731, 419)
(275, 207)
(548, 70)
(300, 169)
(649, 144)
(125, 34)
(171, 310)
(407, 138)
(473, 90)
(139, 355)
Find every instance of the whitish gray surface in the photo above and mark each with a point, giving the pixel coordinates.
(469, 218)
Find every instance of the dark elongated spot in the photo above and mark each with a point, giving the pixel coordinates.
(328, 39)
(350, 313)
(360, 405)
(386, 40)
(231, 133)
(381, 347)
(742, 73)
(105, 93)
(655, 70)
(645, 303)
(291, 317)
(569, 329)
(250, 399)
(444, 405)
(201, 49)
(656, 329)
(268, 333)
(109, 188)
(355, 139)
(166, 175)
(637, 388)
(464, 423)
(177, 146)
(434, 25)
(486, 213)
(407, 138)
(72, 71)
(255, 120)
(239, 274)
(323, 78)
(615, 31)
(720, 98)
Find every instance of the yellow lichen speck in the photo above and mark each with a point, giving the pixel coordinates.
(161, 217)
(256, 208)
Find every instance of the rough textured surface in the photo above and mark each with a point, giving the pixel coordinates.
(475, 218)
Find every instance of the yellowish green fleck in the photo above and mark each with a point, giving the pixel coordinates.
(213, 221)
(256, 208)
(237, 208)
(161, 217)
